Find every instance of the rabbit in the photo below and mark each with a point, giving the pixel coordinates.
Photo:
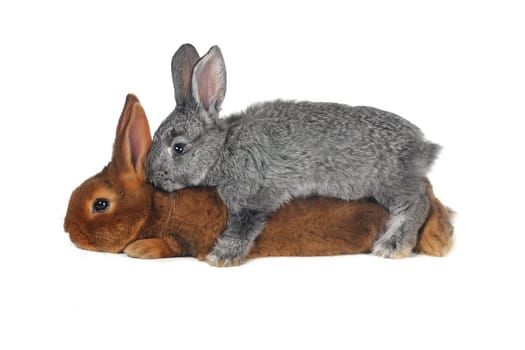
(272, 152)
(118, 211)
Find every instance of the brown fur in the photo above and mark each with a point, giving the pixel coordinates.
(146, 223)
(431, 239)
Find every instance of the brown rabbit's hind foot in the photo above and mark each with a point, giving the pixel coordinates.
(438, 245)
(436, 237)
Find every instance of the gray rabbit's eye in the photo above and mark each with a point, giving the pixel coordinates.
(178, 148)
(100, 205)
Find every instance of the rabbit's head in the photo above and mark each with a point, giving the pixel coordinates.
(108, 210)
(187, 142)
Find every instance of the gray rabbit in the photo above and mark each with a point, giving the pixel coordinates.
(275, 151)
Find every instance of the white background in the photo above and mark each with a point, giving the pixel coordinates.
(454, 68)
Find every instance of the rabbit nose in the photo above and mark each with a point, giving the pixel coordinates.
(158, 177)
(162, 174)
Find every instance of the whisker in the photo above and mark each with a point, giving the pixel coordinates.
(170, 218)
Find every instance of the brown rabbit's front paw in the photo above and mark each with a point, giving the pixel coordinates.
(153, 248)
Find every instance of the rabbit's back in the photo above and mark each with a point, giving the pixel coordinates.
(322, 128)
(300, 148)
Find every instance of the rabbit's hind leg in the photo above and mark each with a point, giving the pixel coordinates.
(407, 214)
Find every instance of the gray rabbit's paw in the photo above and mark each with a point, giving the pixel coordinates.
(214, 260)
(389, 247)
(227, 252)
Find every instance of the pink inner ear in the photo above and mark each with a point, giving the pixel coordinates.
(135, 148)
(205, 86)
(126, 112)
(209, 80)
(137, 140)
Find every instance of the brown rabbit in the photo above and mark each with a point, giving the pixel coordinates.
(118, 211)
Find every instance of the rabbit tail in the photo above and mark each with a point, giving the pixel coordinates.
(425, 157)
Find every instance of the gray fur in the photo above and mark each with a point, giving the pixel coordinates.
(182, 67)
(275, 151)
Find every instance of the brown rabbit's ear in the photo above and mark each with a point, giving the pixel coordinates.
(126, 112)
(133, 140)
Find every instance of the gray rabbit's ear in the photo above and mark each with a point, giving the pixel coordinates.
(209, 84)
(181, 68)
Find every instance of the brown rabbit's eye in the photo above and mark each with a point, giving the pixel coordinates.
(100, 205)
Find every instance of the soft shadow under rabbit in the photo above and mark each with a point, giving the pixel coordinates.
(276, 151)
(118, 211)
